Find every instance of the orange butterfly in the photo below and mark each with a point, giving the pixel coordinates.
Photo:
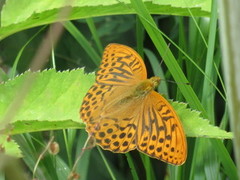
(123, 112)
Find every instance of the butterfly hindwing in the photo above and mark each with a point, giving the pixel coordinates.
(161, 134)
(117, 135)
(109, 120)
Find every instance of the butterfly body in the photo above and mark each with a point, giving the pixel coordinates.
(123, 112)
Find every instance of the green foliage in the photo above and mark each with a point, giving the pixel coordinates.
(53, 95)
(37, 106)
(54, 99)
(26, 14)
(195, 126)
(9, 146)
(62, 94)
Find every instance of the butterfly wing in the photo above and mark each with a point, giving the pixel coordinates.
(120, 123)
(117, 131)
(150, 124)
(160, 133)
(120, 65)
(113, 122)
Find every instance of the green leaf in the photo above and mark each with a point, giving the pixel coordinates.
(54, 101)
(55, 98)
(195, 126)
(19, 127)
(27, 14)
(9, 147)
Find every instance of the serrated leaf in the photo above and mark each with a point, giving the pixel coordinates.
(195, 126)
(9, 146)
(19, 127)
(27, 14)
(55, 98)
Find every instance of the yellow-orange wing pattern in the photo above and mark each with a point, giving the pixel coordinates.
(120, 65)
(161, 134)
(123, 112)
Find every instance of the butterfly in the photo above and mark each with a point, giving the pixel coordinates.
(123, 112)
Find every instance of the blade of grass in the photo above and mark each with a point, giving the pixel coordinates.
(228, 164)
(69, 155)
(147, 166)
(93, 30)
(14, 68)
(195, 65)
(83, 42)
(166, 54)
(182, 45)
(132, 167)
(199, 30)
(139, 36)
(210, 164)
(208, 90)
(71, 137)
(106, 163)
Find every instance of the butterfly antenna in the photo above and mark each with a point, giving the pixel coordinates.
(187, 83)
(165, 53)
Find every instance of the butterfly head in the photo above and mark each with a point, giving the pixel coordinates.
(146, 86)
(155, 81)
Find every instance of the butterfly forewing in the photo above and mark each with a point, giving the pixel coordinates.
(120, 65)
(101, 100)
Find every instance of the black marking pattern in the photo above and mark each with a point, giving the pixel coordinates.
(155, 130)
(161, 135)
(121, 65)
